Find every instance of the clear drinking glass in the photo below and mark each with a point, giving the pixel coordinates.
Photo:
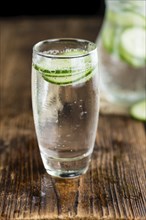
(122, 51)
(65, 98)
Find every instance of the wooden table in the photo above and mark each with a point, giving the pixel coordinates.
(113, 188)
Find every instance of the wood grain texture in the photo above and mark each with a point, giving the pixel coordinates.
(114, 186)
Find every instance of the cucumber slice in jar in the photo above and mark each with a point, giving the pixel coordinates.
(126, 18)
(132, 46)
(108, 37)
(138, 110)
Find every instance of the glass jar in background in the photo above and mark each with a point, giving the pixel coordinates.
(122, 51)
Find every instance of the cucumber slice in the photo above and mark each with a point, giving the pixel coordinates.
(126, 18)
(63, 67)
(138, 110)
(108, 37)
(68, 80)
(52, 72)
(132, 61)
(60, 72)
(72, 53)
(132, 46)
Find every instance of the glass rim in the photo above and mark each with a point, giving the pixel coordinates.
(78, 40)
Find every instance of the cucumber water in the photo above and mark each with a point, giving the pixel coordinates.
(122, 51)
(65, 91)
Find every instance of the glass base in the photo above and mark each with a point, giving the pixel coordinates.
(67, 174)
(66, 167)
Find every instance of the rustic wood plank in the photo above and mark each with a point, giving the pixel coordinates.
(114, 186)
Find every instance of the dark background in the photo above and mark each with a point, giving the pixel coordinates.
(53, 7)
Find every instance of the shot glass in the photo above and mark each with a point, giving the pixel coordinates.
(65, 100)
